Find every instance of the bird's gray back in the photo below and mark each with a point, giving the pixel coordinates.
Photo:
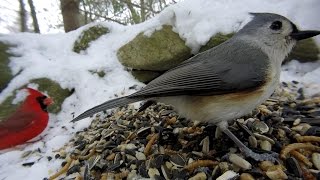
(235, 65)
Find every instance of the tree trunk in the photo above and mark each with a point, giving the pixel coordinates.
(134, 14)
(70, 14)
(143, 10)
(34, 17)
(23, 17)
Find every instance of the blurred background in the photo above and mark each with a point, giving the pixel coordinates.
(55, 16)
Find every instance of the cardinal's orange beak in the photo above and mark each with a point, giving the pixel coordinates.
(48, 101)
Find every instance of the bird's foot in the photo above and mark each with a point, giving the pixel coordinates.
(244, 149)
(272, 156)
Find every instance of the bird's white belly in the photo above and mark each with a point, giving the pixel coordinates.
(219, 108)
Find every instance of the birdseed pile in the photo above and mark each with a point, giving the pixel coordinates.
(158, 144)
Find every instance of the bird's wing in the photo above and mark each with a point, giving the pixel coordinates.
(230, 67)
(17, 122)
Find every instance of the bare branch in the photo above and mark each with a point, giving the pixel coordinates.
(104, 17)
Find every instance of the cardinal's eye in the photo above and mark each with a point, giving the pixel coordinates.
(276, 25)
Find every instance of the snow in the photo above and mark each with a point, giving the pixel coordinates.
(20, 96)
(51, 56)
(306, 73)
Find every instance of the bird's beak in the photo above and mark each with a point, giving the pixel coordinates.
(299, 35)
(48, 101)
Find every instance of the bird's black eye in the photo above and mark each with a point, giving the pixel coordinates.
(276, 25)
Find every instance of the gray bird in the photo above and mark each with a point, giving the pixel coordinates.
(227, 81)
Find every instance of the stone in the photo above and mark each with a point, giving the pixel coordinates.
(215, 41)
(305, 51)
(55, 91)
(87, 36)
(145, 76)
(162, 50)
(5, 72)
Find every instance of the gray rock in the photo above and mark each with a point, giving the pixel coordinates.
(163, 50)
(5, 72)
(87, 36)
(145, 76)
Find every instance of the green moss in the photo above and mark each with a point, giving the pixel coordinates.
(88, 36)
(145, 76)
(55, 91)
(7, 108)
(99, 73)
(305, 50)
(216, 40)
(163, 50)
(5, 72)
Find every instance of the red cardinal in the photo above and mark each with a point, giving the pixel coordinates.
(28, 121)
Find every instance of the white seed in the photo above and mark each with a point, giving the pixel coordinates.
(132, 175)
(169, 165)
(260, 127)
(296, 122)
(224, 166)
(246, 176)
(316, 160)
(263, 137)
(152, 172)
(281, 133)
(251, 120)
(228, 175)
(130, 146)
(265, 165)
(265, 145)
(253, 141)
(302, 128)
(205, 145)
(240, 121)
(140, 156)
(276, 174)
(239, 161)
(199, 176)
(218, 133)
(190, 160)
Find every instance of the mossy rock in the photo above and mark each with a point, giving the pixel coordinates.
(215, 41)
(145, 76)
(5, 72)
(99, 73)
(305, 51)
(163, 50)
(88, 36)
(7, 108)
(45, 85)
(55, 91)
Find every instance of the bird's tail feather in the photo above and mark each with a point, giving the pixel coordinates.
(105, 106)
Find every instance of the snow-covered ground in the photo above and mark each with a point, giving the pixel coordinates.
(51, 56)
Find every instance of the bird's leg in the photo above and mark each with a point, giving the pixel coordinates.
(243, 148)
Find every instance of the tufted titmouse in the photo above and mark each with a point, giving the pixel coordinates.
(227, 81)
